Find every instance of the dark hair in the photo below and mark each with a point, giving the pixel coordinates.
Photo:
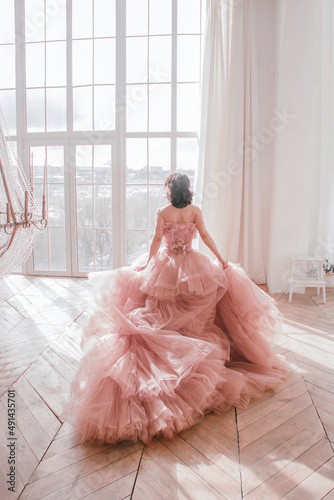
(178, 192)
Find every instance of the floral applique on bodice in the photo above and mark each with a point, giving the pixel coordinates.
(178, 237)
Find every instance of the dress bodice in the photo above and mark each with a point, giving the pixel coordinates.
(178, 236)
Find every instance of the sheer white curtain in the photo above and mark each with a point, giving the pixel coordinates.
(325, 232)
(296, 217)
(228, 183)
(302, 220)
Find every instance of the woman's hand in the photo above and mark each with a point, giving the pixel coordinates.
(224, 263)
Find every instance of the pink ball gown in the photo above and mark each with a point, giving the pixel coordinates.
(172, 342)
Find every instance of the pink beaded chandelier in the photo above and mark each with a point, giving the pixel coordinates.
(20, 220)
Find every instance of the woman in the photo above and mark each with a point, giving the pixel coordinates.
(174, 338)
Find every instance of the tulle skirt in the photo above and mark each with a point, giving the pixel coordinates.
(166, 345)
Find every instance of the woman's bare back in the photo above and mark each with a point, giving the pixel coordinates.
(173, 214)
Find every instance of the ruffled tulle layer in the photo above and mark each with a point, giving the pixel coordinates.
(168, 344)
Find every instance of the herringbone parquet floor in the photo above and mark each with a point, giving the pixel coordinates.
(281, 446)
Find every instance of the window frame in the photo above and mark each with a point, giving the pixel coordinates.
(69, 139)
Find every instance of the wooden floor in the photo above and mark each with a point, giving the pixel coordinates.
(280, 447)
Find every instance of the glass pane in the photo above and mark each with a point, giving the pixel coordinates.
(56, 64)
(34, 20)
(160, 17)
(136, 60)
(102, 164)
(136, 107)
(136, 207)
(82, 15)
(7, 66)
(189, 16)
(82, 62)
(187, 157)
(35, 65)
(104, 18)
(85, 249)
(157, 199)
(56, 109)
(55, 20)
(104, 107)
(188, 107)
(188, 58)
(36, 110)
(57, 249)
(84, 164)
(84, 206)
(103, 249)
(136, 245)
(159, 156)
(55, 164)
(82, 108)
(137, 17)
(37, 159)
(104, 61)
(40, 253)
(160, 107)
(160, 69)
(7, 21)
(103, 207)
(56, 205)
(38, 193)
(8, 104)
(136, 161)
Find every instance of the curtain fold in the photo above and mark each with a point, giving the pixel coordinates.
(227, 185)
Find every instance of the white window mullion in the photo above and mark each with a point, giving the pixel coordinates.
(93, 89)
(21, 120)
(174, 86)
(21, 116)
(70, 211)
(93, 205)
(45, 97)
(69, 80)
(119, 156)
(148, 128)
(148, 191)
(70, 179)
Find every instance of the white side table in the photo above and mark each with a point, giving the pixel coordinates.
(307, 271)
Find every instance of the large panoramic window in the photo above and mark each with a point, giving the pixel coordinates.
(102, 100)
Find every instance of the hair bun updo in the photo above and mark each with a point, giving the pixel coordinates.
(178, 190)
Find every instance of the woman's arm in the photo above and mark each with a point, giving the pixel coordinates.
(159, 228)
(156, 242)
(206, 238)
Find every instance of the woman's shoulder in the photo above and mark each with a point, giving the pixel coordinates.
(163, 210)
(196, 210)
